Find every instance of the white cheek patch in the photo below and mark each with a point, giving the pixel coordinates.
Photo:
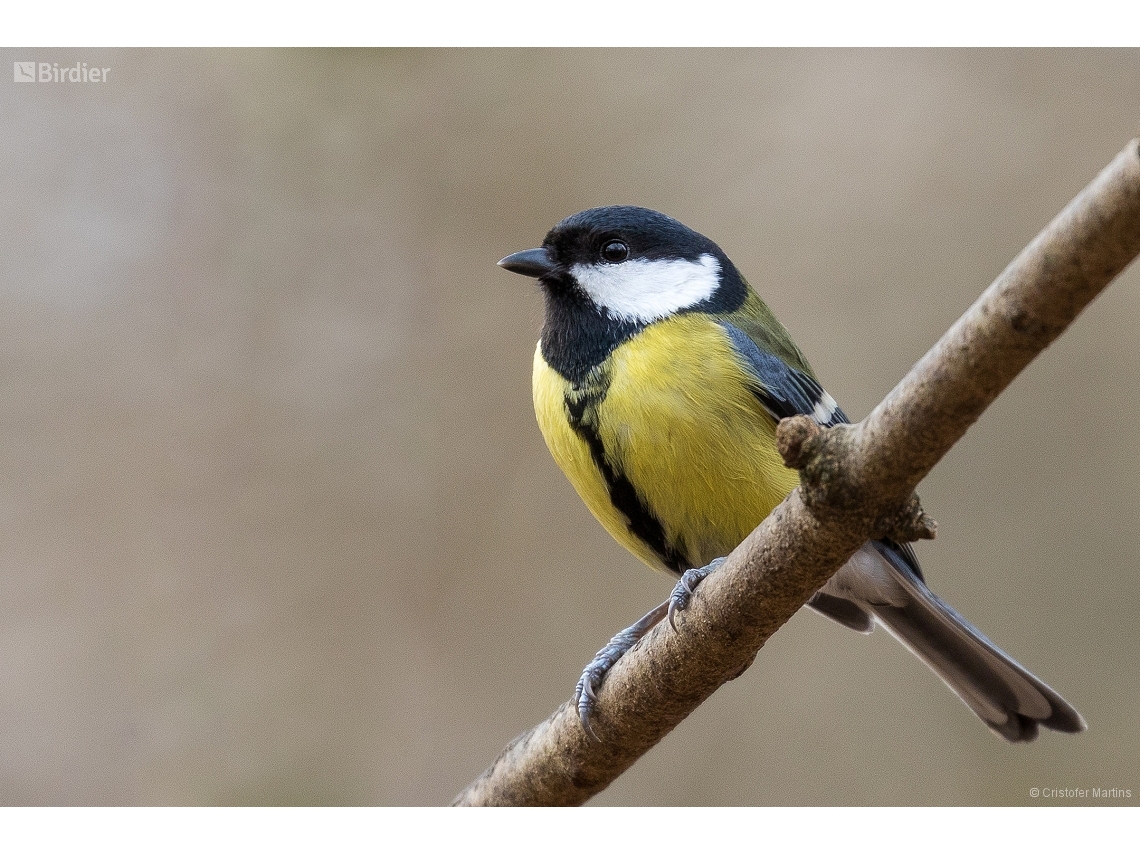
(640, 290)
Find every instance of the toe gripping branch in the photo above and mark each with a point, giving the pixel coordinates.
(683, 590)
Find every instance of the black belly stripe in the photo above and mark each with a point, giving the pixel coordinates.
(642, 522)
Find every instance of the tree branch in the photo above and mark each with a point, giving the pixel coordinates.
(857, 483)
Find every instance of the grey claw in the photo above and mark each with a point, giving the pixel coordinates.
(679, 600)
(584, 711)
(683, 590)
(584, 700)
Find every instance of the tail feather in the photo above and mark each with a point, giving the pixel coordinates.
(1008, 698)
(1003, 694)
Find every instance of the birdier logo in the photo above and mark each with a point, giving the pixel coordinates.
(53, 72)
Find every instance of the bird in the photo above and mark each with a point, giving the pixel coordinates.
(658, 381)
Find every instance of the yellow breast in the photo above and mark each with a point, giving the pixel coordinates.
(672, 413)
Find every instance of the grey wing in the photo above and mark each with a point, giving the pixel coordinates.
(782, 390)
(786, 391)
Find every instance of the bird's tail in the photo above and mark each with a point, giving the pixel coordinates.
(1010, 700)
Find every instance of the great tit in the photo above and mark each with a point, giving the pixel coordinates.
(658, 382)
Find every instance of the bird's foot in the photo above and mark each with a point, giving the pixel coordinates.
(683, 590)
(585, 693)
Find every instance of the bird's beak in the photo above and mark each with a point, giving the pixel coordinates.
(529, 262)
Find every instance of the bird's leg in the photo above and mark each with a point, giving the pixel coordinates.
(683, 590)
(595, 672)
(585, 697)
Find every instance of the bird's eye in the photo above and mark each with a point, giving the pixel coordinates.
(615, 251)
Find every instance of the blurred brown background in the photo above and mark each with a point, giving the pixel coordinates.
(277, 523)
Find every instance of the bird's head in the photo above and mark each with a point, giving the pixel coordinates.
(630, 265)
